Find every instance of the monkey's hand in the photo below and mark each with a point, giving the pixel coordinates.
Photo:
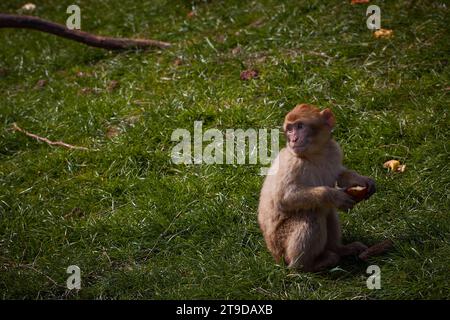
(349, 178)
(369, 183)
(343, 201)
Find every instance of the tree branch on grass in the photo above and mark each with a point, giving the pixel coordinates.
(15, 127)
(30, 22)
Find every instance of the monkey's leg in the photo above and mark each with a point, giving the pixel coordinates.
(334, 233)
(326, 260)
(354, 248)
(298, 253)
(334, 238)
(305, 242)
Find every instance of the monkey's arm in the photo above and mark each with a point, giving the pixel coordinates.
(307, 198)
(349, 178)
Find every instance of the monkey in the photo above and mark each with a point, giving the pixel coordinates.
(305, 186)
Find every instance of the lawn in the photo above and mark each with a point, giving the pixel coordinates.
(140, 226)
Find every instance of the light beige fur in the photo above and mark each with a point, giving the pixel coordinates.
(298, 207)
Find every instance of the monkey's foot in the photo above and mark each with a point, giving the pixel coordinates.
(354, 248)
(325, 260)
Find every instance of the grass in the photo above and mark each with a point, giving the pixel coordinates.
(141, 227)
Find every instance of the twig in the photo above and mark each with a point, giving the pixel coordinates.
(15, 127)
(30, 22)
(30, 267)
(40, 272)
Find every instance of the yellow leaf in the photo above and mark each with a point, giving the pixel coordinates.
(392, 164)
(383, 33)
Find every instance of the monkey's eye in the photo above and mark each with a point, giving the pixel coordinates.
(299, 125)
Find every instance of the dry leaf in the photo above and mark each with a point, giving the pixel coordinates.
(391, 164)
(394, 165)
(256, 58)
(141, 102)
(235, 51)
(81, 74)
(383, 33)
(132, 120)
(86, 90)
(359, 1)
(41, 83)
(191, 14)
(249, 74)
(74, 213)
(260, 59)
(221, 38)
(113, 84)
(258, 23)
(3, 72)
(112, 132)
(29, 7)
(178, 62)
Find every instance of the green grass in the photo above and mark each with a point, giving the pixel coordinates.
(139, 226)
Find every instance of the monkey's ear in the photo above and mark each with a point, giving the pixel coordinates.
(329, 118)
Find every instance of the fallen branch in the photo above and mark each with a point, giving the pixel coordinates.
(30, 22)
(376, 249)
(15, 127)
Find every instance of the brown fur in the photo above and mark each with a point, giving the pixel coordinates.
(297, 210)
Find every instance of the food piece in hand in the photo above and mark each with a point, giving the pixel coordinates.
(358, 193)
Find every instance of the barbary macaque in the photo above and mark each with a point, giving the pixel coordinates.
(306, 184)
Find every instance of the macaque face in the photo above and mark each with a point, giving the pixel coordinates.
(308, 129)
(300, 135)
